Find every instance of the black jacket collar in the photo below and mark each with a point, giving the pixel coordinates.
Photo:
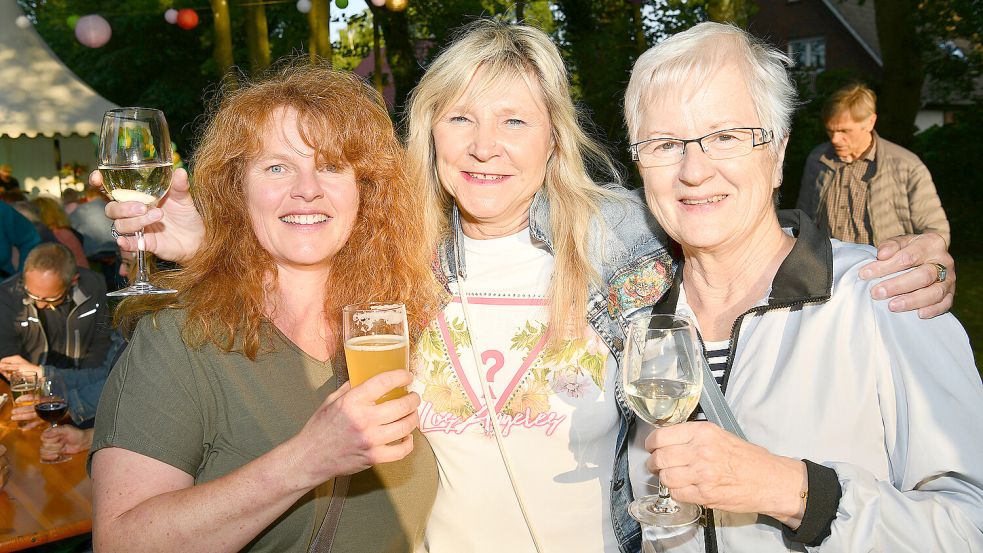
(805, 276)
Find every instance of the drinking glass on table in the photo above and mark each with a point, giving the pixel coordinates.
(22, 384)
(135, 163)
(376, 340)
(663, 378)
(52, 406)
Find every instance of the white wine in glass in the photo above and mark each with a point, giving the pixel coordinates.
(135, 163)
(663, 378)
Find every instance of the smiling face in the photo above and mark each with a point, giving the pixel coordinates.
(492, 146)
(302, 213)
(850, 138)
(707, 204)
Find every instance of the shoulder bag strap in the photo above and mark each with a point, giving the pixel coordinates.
(325, 534)
(715, 406)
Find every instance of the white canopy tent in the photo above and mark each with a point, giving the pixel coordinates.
(48, 116)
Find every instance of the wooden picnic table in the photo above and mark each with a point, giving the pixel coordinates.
(40, 503)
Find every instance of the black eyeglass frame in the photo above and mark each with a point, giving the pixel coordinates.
(766, 138)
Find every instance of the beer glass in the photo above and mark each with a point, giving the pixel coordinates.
(23, 385)
(376, 341)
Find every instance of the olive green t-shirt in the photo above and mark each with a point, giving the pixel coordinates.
(207, 413)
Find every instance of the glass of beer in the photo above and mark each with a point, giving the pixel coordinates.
(23, 385)
(376, 340)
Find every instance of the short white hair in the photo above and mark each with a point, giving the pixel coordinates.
(698, 53)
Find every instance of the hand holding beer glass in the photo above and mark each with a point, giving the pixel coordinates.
(376, 341)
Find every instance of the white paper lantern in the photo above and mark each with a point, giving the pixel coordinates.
(22, 22)
(171, 16)
(304, 6)
(93, 31)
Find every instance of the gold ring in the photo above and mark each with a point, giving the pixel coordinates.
(941, 271)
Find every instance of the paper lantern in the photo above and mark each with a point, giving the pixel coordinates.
(187, 19)
(93, 31)
(304, 6)
(397, 5)
(378, 3)
(22, 22)
(171, 16)
(342, 4)
(71, 21)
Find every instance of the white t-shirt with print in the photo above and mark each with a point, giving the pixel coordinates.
(555, 406)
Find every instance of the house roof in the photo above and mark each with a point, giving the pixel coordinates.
(40, 95)
(859, 19)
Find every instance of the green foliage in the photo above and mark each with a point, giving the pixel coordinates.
(952, 155)
(146, 63)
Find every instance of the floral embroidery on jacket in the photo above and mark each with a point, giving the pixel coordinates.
(640, 285)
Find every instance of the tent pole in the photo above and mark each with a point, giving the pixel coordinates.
(61, 187)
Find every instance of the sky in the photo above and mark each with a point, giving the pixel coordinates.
(354, 7)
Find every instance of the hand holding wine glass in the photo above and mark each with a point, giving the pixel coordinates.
(663, 378)
(135, 164)
(51, 406)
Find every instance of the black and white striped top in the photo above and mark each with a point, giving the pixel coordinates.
(716, 354)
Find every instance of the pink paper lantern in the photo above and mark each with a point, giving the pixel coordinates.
(171, 16)
(378, 3)
(93, 31)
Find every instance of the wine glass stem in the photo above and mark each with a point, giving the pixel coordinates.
(141, 262)
(665, 504)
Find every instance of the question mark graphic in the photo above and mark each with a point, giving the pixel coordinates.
(498, 361)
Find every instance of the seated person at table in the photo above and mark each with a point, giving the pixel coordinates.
(864, 428)
(55, 313)
(84, 385)
(227, 421)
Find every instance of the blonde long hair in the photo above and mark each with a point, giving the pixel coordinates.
(505, 51)
(224, 288)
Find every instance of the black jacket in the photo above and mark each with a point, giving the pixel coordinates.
(88, 324)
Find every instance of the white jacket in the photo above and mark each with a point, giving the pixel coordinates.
(891, 402)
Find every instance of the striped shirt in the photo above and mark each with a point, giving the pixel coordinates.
(845, 209)
(716, 355)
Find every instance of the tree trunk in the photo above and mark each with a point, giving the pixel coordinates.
(377, 57)
(400, 52)
(223, 36)
(520, 9)
(320, 22)
(258, 38)
(730, 11)
(904, 72)
(600, 38)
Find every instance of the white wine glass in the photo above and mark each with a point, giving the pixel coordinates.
(663, 378)
(136, 164)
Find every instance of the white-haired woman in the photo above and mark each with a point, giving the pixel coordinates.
(865, 429)
(542, 267)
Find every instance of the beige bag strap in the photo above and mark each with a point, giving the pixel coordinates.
(329, 526)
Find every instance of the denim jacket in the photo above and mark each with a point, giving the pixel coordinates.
(635, 267)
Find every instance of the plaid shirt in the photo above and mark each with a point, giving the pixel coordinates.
(845, 209)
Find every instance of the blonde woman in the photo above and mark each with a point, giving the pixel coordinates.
(54, 217)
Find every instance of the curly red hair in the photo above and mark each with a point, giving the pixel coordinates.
(387, 257)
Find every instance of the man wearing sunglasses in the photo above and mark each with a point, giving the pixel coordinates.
(54, 313)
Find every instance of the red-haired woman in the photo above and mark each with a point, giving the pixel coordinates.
(224, 425)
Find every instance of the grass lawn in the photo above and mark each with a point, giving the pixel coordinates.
(968, 306)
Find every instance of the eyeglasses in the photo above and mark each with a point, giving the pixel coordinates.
(725, 144)
(50, 301)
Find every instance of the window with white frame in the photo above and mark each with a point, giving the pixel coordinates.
(809, 54)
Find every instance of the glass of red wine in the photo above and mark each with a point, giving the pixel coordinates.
(51, 406)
